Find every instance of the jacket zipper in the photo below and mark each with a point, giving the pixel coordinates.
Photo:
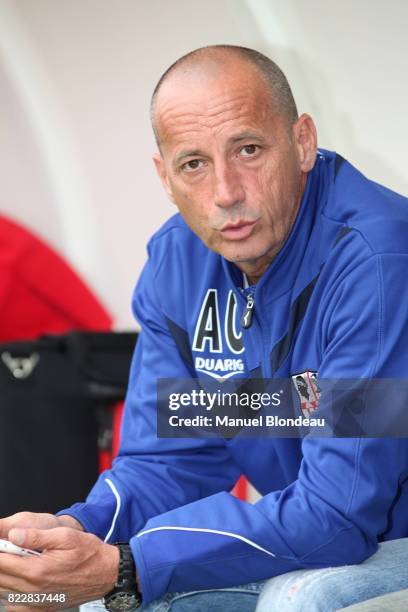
(247, 319)
(247, 315)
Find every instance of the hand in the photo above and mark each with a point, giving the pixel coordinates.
(74, 563)
(37, 521)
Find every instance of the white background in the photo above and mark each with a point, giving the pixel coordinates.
(75, 81)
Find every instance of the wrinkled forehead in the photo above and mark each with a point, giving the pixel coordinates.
(193, 100)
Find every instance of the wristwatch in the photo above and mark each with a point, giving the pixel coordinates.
(125, 595)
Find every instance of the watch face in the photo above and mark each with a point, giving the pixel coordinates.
(123, 602)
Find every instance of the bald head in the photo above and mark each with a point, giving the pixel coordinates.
(218, 60)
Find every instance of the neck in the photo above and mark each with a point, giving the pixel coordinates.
(254, 276)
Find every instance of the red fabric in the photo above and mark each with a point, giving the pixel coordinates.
(107, 455)
(105, 460)
(39, 292)
(117, 421)
(241, 488)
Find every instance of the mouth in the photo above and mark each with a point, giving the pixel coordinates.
(237, 231)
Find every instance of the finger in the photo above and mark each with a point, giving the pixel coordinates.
(26, 519)
(21, 518)
(5, 526)
(61, 538)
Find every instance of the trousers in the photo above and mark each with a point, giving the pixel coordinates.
(317, 590)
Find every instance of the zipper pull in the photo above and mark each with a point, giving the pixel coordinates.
(246, 320)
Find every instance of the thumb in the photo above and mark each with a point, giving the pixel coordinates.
(41, 539)
(17, 536)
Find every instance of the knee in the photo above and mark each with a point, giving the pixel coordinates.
(314, 591)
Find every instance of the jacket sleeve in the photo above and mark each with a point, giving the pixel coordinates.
(150, 475)
(338, 507)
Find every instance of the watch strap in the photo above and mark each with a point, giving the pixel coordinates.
(125, 589)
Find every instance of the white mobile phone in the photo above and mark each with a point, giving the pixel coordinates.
(9, 547)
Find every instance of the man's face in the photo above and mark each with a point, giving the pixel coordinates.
(231, 164)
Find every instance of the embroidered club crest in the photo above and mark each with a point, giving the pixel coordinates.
(308, 390)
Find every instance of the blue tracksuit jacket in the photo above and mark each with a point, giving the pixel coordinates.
(334, 301)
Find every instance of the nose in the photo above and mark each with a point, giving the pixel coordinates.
(228, 189)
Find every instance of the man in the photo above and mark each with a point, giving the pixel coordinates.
(310, 253)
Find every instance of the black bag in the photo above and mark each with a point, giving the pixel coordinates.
(56, 395)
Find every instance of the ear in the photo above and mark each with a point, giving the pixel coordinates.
(305, 135)
(161, 171)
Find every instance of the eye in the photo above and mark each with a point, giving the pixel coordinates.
(249, 150)
(192, 165)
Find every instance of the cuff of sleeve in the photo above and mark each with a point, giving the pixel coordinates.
(89, 515)
(141, 569)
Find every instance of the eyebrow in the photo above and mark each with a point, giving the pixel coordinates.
(245, 136)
